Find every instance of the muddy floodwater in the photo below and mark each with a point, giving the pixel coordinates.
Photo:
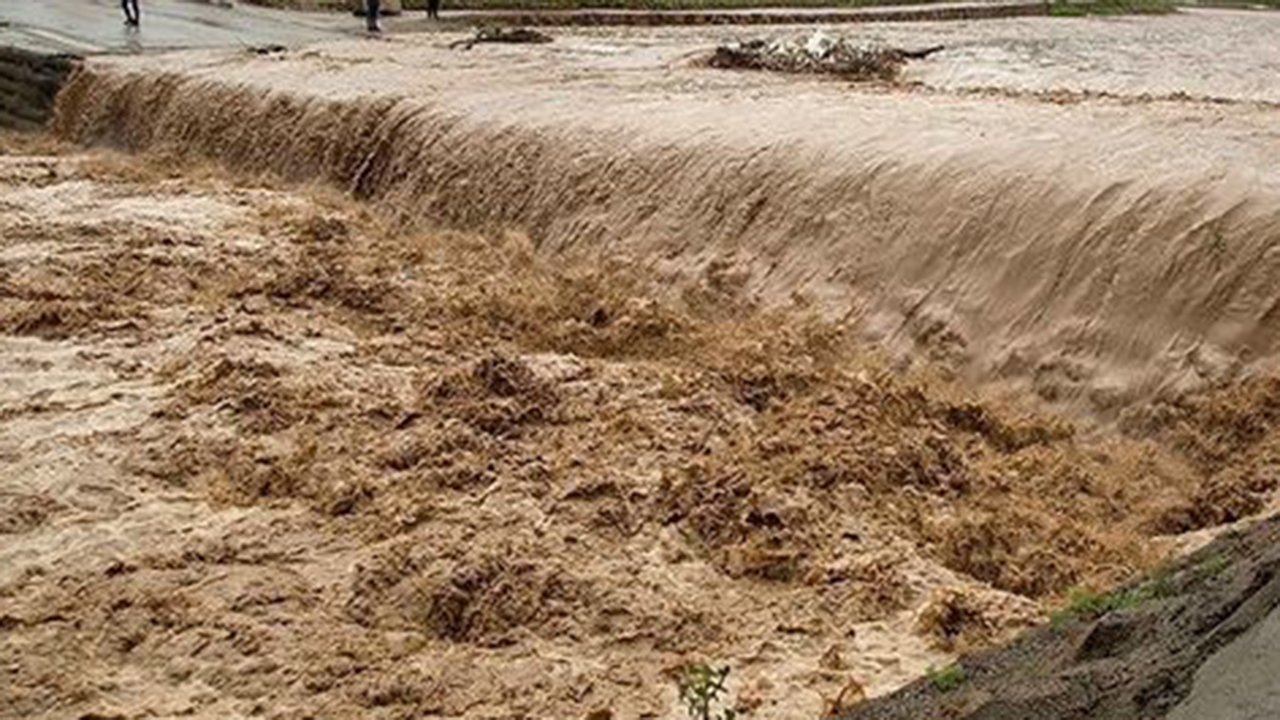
(384, 379)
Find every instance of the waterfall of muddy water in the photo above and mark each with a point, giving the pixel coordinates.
(1102, 252)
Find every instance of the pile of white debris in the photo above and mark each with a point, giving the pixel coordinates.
(817, 53)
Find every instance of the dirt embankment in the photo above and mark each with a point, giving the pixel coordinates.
(1137, 660)
(621, 13)
(770, 16)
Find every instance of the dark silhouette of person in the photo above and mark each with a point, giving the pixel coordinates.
(372, 11)
(131, 14)
(433, 9)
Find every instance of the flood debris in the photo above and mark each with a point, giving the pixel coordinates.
(517, 35)
(818, 53)
(267, 49)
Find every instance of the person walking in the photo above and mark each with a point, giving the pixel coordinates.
(433, 9)
(131, 14)
(372, 11)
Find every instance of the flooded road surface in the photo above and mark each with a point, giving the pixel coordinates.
(1202, 53)
(95, 26)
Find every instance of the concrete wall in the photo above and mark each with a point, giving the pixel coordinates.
(28, 84)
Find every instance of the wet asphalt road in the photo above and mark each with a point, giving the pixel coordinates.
(97, 26)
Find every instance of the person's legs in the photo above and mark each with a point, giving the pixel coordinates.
(372, 10)
(433, 9)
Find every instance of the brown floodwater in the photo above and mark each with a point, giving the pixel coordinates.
(391, 380)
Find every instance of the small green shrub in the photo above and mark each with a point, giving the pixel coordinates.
(948, 678)
(1213, 566)
(701, 688)
(1159, 585)
(1082, 604)
(1086, 604)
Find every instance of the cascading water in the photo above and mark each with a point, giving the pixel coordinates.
(1093, 261)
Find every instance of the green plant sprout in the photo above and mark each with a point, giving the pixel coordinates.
(1088, 605)
(948, 678)
(701, 688)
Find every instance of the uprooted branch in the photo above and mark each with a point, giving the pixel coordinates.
(502, 35)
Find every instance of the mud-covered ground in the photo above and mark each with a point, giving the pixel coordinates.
(263, 456)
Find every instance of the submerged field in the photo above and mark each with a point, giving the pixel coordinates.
(383, 380)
